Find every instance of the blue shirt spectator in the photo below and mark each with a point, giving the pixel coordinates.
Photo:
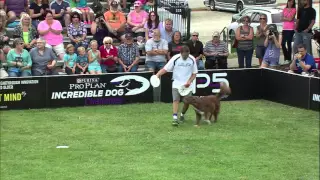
(308, 60)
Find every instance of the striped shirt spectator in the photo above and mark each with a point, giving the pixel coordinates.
(219, 48)
(216, 53)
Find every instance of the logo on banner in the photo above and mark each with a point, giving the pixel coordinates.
(126, 85)
(316, 97)
(132, 83)
(10, 97)
(10, 86)
(204, 80)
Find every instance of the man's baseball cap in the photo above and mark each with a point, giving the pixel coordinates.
(128, 36)
(114, 3)
(216, 34)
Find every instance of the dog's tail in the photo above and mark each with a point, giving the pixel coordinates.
(225, 90)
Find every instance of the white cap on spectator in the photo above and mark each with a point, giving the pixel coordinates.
(216, 34)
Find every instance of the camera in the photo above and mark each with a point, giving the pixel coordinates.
(271, 32)
(101, 20)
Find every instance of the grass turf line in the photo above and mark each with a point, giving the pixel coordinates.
(252, 140)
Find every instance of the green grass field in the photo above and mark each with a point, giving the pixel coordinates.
(256, 140)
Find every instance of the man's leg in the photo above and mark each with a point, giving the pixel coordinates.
(150, 66)
(67, 19)
(175, 105)
(25, 74)
(36, 73)
(103, 68)
(184, 109)
(12, 74)
(200, 65)
(134, 68)
(297, 40)
(222, 63)
(306, 39)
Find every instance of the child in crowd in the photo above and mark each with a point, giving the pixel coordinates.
(148, 5)
(94, 58)
(82, 61)
(85, 11)
(70, 59)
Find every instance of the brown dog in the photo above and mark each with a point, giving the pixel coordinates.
(207, 105)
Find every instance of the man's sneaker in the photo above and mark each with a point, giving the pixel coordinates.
(182, 118)
(175, 123)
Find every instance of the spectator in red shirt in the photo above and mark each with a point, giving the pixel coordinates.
(109, 56)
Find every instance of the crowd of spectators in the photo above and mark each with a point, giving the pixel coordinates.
(297, 22)
(38, 32)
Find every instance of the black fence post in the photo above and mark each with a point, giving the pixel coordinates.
(188, 23)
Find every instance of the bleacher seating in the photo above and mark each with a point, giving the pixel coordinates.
(66, 39)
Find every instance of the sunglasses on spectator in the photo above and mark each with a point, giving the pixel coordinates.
(262, 18)
(107, 43)
(195, 35)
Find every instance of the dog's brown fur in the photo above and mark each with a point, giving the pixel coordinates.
(207, 105)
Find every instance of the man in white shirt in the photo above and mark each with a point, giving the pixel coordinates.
(184, 68)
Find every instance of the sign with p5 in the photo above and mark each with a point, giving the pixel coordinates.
(203, 80)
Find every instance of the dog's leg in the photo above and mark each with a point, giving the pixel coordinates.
(206, 115)
(215, 114)
(198, 118)
(210, 119)
(184, 110)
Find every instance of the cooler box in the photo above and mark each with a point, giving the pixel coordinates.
(317, 60)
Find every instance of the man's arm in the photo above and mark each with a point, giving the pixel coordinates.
(161, 72)
(206, 50)
(312, 21)
(201, 51)
(298, 19)
(293, 65)
(164, 49)
(149, 50)
(123, 21)
(307, 64)
(194, 73)
(225, 51)
(136, 60)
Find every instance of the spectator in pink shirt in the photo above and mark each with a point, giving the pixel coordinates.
(137, 19)
(289, 14)
(50, 30)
